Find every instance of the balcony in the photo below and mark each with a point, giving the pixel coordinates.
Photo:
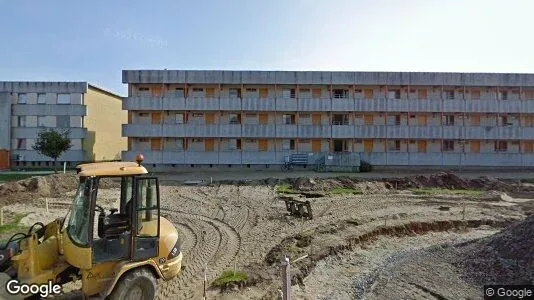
(314, 131)
(202, 104)
(49, 110)
(343, 104)
(32, 132)
(308, 104)
(154, 130)
(256, 104)
(267, 131)
(286, 104)
(69, 155)
(230, 104)
(153, 103)
(342, 131)
(286, 131)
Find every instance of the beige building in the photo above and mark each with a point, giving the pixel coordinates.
(93, 116)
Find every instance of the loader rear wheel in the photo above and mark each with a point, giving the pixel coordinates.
(137, 284)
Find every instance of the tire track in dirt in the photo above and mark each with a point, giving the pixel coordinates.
(217, 245)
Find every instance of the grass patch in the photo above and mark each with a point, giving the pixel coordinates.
(440, 191)
(286, 189)
(13, 226)
(230, 277)
(527, 180)
(14, 177)
(344, 191)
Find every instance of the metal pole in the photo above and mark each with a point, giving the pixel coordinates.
(286, 280)
(64, 167)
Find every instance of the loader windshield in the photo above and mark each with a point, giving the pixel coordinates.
(78, 226)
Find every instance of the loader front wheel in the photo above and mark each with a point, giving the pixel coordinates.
(137, 284)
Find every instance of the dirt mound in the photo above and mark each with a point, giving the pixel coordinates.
(451, 181)
(48, 186)
(504, 257)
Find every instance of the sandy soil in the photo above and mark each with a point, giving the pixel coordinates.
(343, 276)
(246, 228)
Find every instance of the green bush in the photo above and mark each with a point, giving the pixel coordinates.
(230, 277)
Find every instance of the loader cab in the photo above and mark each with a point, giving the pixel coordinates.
(104, 227)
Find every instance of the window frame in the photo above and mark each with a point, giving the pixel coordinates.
(22, 96)
(39, 98)
(63, 103)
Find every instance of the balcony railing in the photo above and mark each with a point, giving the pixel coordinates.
(375, 158)
(329, 131)
(175, 101)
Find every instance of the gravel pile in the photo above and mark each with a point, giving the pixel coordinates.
(456, 271)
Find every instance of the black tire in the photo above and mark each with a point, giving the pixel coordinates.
(137, 284)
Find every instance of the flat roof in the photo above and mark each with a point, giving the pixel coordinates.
(52, 87)
(326, 77)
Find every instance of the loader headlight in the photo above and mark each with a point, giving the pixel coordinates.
(175, 251)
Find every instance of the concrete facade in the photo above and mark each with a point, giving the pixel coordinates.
(26, 108)
(388, 118)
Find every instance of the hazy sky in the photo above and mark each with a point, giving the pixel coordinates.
(94, 40)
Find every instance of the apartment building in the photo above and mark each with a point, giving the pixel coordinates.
(93, 116)
(178, 117)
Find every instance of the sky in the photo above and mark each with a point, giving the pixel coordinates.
(95, 40)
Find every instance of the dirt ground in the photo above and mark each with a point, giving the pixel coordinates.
(244, 226)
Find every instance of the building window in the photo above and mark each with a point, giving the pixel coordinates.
(305, 94)
(449, 95)
(234, 93)
(475, 95)
(63, 98)
(501, 146)
(234, 119)
(449, 120)
(251, 90)
(23, 99)
(339, 93)
(305, 116)
(41, 98)
(179, 118)
(288, 119)
(503, 95)
(197, 93)
(21, 121)
(317, 93)
(143, 140)
(394, 145)
(422, 94)
(394, 94)
(144, 89)
(63, 121)
(288, 144)
(340, 119)
(21, 144)
(179, 92)
(288, 93)
(180, 144)
(368, 94)
(448, 145)
(41, 121)
(234, 144)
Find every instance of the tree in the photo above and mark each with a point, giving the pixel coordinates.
(52, 143)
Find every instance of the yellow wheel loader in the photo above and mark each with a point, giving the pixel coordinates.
(117, 253)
